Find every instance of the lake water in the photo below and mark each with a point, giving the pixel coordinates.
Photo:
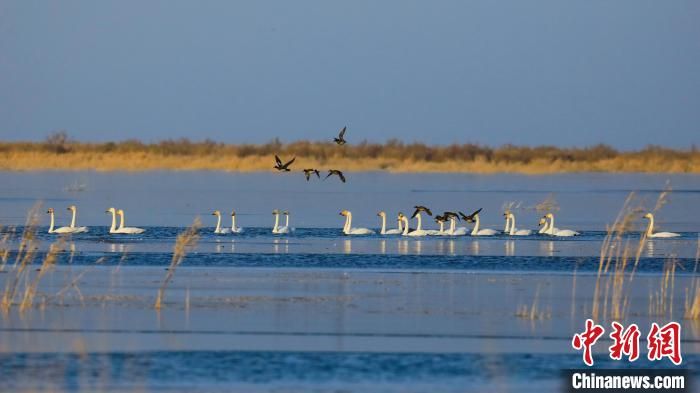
(274, 322)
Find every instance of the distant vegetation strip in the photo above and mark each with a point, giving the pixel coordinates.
(60, 153)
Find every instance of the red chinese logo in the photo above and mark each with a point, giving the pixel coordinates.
(662, 342)
(625, 341)
(665, 342)
(586, 339)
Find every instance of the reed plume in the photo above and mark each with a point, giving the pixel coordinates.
(185, 242)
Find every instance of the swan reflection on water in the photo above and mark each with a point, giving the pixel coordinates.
(547, 248)
(403, 247)
(418, 249)
(347, 246)
(119, 247)
(475, 247)
(276, 245)
(382, 247)
(509, 248)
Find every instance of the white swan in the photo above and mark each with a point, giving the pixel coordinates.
(124, 229)
(419, 231)
(650, 229)
(554, 231)
(454, 231)
(384, 231)
(219, 230)
(234, 228)
(514, 231)
(57, 230)
(481, 232)
(545, 226)
(286, 228)
(349, 230)
(113, 227)
(76, 229)
(277, 228)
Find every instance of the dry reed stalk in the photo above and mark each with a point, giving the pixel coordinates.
(533, 311)
(692, 309)
(610, 292)
(25, 255)
(47, 264)
(73, 284)
(5, 247)
(185, 241)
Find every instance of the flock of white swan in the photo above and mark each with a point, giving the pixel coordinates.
(546, 225)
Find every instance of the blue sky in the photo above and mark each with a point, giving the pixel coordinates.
(570, 73)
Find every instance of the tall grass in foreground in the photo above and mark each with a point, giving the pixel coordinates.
(610, 298)
(692, 294)
(25, 256)
(185, 242)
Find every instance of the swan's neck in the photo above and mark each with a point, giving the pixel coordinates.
(233, 223)
(476, 226)
(349, 224)
(114, 222)
(383, 231)
(277, 223)
(399, 222)
(52, 222)
(286, 221)
(550, 229)
(453, 224)
(442, 226)
(72, 221)
(507, 227)
(405, 222)
(512, 224)
(420, 222)
(122, 221)
(218, 224)
(650, 228)
(544, 228)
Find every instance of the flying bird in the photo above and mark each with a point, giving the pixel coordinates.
(340, 140)
(470, 218)
(308, 172)
(421, 209)
(280, 167)
(447, 215)
(332, 172)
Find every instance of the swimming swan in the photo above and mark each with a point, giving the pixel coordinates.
(650, 229)
(419, 231)
(286, 228)
(384, 231)
(219, 230)
(57, 230)
(277, 228)
(510, 217)
(476, 231)
(349, 230)
(554, 231)
(127, 230)
(234, 228)
(76, 229)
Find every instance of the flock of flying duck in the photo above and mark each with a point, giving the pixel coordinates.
(403, 228)
(284, 167)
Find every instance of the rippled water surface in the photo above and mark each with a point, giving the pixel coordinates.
(365, 274)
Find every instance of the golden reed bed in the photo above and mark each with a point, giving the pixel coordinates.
(57, 153)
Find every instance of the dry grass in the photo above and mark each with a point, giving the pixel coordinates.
(25, 256)
(185, 242)
(692, 294)
(533, 311)
(59, 153)
(610, 296)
